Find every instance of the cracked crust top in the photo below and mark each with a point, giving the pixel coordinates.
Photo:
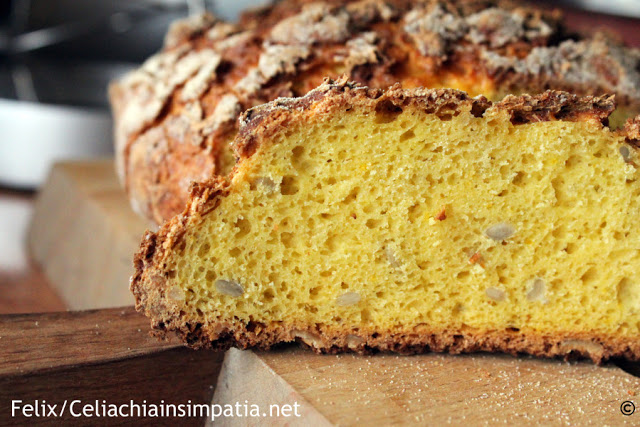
(149, 282)
(176, 114)
(257, 123)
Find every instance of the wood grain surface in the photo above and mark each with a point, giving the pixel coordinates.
(84, 234)
(27, 290)
(100, 355)
(430, 389)
(23, 287)
(63, 339)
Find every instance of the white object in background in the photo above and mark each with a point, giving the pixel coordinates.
(16, 215)
(230, 9)
(33, 136)
(629, 8)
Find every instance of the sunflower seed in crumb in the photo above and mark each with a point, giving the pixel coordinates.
(536, 292)
(267, 184)
(229, 287)
(354, 341)
(176, 294)
(500, 231)
(496, 294)
(308, 338)
(582, 346)
(625, 153)
(349, 298)
(391, 257)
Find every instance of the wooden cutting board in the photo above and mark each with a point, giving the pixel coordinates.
(84, 235)
(107, 356)
(99, 355)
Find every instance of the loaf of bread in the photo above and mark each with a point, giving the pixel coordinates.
(410, 221)
(176, 115)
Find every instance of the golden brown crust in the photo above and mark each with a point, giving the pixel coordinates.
(176, 115)
(632, 131)
(557, 105)
(416, 340)
(256, 123)
(150, 281)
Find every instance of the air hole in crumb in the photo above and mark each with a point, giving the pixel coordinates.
(204, 249)
(573, 160)
(372, 223)
(332, 242)
(387, 111)
(559, 189)
(313, 292)
(518, 178)
(462, 275)
(589, 276)
(297, 152)
(423, 265)
(268, 295)
(243, 226)
(352, 195)
(286, 239)
(289, 185)
(570, 248)
(407, 135)
(559, 232)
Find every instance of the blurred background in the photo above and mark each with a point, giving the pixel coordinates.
(56, 60)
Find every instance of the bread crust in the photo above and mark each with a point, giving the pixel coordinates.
(150, 282)
(175, 115)
(632, 131)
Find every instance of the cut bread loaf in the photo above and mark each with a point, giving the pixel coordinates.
(409, 221)
(176, 115)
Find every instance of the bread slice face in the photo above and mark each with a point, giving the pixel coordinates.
(410, 221)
